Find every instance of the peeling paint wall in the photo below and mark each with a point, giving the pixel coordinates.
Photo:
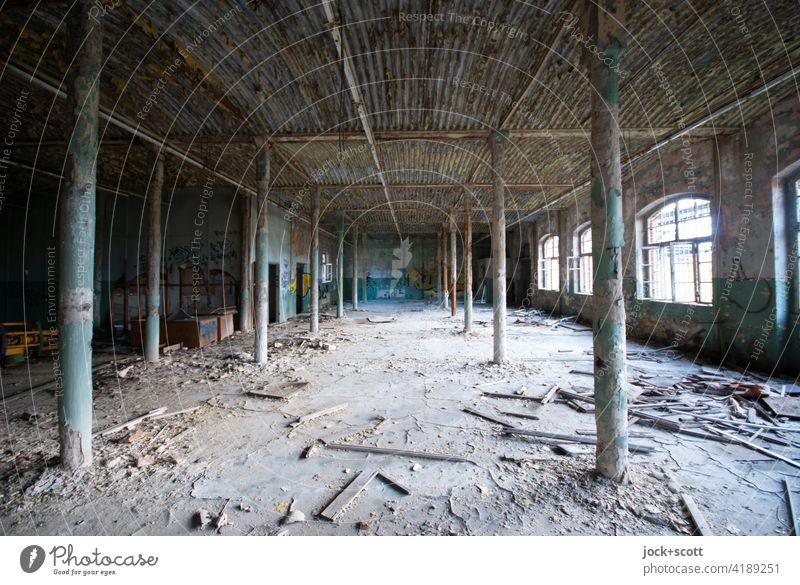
(202, 245)
(395, 270)
(753, 316)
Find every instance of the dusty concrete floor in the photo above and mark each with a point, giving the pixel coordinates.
(405, 384)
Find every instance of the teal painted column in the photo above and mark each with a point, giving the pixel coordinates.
(262, 250)
(246, 272)
(152, 325)
(315, 262)
(364, 271)
(355, 267)
(467, 262)
(498, 246)
(76, 237)
(453, 263)
(439, 287)
(340, 265)
(611, 406)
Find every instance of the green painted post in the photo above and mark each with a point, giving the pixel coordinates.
(246, 280)
(467, 263)
(340, 265)
(355, 267)
(439, 287)
(262, 250)
(611, 407)
(315, 262)
(453, 263)
(152, 328)
(364, 271)
(77, 233)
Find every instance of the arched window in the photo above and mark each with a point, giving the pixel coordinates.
(548, 263)
(676, 255)
(585, 266)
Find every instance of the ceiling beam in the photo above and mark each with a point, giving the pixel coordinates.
(361, 186)
(335, 27)
(396, 135)
(135, 130)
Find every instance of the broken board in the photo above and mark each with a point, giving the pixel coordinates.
(282, 391)
(353, 489)
(784, 406)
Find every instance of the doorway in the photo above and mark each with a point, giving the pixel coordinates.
(274, 288)
(300, 291)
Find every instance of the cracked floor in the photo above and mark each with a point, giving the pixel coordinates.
(405, 384)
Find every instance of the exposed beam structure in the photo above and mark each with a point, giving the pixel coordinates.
(471, 184)
(653, 133)
(118, 121)
(348, 68)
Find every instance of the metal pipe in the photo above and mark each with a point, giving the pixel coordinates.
(76, 241)
(152, 325)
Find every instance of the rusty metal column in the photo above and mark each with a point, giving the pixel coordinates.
(76, 237)
(152, 325)
(355, 267)
(340, 265)
(315, 262)
(611, 406)
(246, 280)
(498, 246)
(364, 271)
(467, 263)
(453, 263)
(262, 249)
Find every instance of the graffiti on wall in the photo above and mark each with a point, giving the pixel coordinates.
(400, 261)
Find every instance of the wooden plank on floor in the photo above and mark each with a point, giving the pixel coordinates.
(485, 416)
(401, 452)
(319, 414)
(347, 495)
(701, 526)
(282, 391)
(791, 508)
(632, 447)
(784, 406)
(550, 394)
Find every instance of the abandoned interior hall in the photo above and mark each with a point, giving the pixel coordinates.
(399, 267)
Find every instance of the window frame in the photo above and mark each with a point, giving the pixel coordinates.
(550, 264)
(577, 267)
(670, 246)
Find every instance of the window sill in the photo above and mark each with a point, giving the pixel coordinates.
(677, 303)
